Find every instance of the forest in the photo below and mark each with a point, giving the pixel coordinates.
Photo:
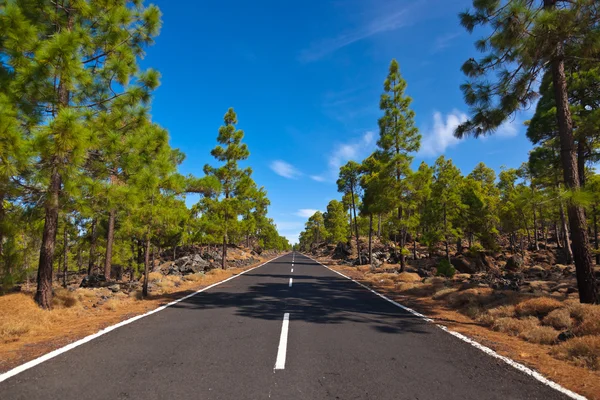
(552, 199)
(87, 179)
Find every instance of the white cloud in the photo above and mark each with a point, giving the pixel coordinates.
(383, 22)
(509, 128)
(444, 41)
(284, 169)
(344, 152)
(441, 136)
(305, 212)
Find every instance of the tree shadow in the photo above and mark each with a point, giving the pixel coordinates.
(313, 299)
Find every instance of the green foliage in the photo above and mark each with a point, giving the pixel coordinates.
(444, 268)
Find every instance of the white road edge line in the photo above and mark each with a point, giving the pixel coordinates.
(532, 373)
(282, 350)
(70, 346)
(291, 282)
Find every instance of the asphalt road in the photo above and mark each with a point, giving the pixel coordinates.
(343, 342)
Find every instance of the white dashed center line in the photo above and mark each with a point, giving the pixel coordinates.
(292, 269)
(291, 282)
(280, 362)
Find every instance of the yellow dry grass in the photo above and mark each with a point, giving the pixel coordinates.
(558, 319)
(537, 306)
(584, 351)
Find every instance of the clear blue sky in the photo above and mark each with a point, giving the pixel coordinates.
(305, 79)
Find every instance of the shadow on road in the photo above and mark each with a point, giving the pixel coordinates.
(314, 299)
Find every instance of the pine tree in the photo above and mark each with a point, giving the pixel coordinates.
(398, 137)
(526, 38)
(226, 206)
(348, 183)
(334, 221)
(71, 59)
(445, 191)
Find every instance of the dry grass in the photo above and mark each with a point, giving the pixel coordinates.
(540, 335)
(408, 277)
(515, 326)
(441, 294)
(583, 351)
(537, 306)
(155, 277)
(587, 317)
(194, 277)
(558, 319)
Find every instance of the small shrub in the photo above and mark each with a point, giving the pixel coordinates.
(155, 277)
(475, 249)
(444, 268)
(583, 351)
(514, 326)
(537, 306)
(490, 316)
(64, 298)
(111, 304)
(558, 319)
(9, 329)
(441, 294)
(540, 335)
(194, 277)
(587, 317)
(408, 277)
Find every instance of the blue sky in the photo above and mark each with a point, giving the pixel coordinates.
(305, 80)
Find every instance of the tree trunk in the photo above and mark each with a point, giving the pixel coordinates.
(146, 267)
(586, 282)
(556, 234)
(459, 246)
(92, 254)
(446, 234)
(379, 227)
(402, 255)
(565, 235)
(224, 251)
(355, 224)
(131, 261)
(152, 266)
(535, 230)
(65, 255)
(110, 237)
(415, 249)
(596, 235)
(43, 295)
(370, 239)
(2, 217)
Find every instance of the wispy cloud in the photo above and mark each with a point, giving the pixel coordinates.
(305, 212)
(285, 169)
(441, 136)
(344, 152)
(383, 22)
(437, 139)
(444, 41)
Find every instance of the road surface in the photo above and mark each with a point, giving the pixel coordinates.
(277, 332)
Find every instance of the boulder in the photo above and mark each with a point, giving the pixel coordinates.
(114, 288)
(464, 265)
(341, 251)
(92, 281)
(515, 263)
